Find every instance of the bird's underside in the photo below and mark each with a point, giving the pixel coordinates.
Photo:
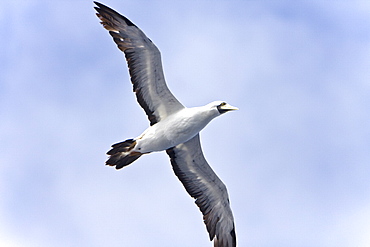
(161, 106)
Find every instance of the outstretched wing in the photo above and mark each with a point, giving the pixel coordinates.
(144, 63)
(210, 193)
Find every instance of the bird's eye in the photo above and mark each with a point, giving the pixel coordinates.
(223, 103)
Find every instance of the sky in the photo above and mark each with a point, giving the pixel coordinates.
(295, 157)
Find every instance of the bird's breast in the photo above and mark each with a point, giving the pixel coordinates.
(171, 131)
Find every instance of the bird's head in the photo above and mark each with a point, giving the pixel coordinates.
(222, 107)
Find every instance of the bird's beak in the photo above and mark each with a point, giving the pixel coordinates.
(228, 107)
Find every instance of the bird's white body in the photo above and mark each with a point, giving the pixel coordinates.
(175, 129)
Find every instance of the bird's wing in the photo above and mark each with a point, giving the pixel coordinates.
(210, 193)
(144, 63)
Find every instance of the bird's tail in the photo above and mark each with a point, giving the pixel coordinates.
(121, 154)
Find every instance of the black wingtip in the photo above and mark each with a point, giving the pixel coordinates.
(98, 4)
(233, 234)
(103, 8)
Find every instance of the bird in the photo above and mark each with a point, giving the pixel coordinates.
(173, 128)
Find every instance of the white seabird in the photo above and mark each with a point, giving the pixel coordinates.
(173, 127)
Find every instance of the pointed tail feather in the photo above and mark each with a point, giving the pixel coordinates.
(124, 146)
(120, 154)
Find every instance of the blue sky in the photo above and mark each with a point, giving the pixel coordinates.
(295, 157)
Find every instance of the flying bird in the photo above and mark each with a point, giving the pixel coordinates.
(173, 127)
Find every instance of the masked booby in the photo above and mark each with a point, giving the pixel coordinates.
(173, 127)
